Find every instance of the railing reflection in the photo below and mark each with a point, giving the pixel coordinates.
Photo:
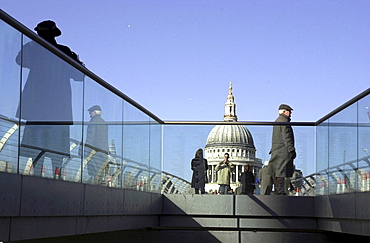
(120, 172)
(116, 171)
(352, 176)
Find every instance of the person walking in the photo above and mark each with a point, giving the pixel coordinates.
(282, 150)
(96, 139)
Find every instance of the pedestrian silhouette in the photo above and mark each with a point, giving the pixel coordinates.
(46, 99)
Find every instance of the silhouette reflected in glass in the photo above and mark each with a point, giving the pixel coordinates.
(46, 99)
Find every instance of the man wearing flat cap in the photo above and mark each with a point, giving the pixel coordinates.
(96, 139)
(282, 150)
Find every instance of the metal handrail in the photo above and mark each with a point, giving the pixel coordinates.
(255, 123)
(23, 29)
(166, 178)
(342, 107)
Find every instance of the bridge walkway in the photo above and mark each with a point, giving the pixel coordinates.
(34, 208)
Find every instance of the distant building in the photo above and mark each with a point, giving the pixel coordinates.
(233, 139)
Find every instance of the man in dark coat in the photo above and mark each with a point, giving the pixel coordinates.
(282, 150)
(46, 97)
(96, 140)
(247, 181)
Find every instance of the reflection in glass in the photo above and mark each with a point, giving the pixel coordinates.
(96, 144)
(363, 144)
(102, 142)
(46, 105)
(10, 43)
(343, 150)
(154, 182)
(322, 160)
(136, 147)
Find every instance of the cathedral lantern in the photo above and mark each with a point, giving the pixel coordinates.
(236, 140)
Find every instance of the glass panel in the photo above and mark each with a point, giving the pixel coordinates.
(71, 166)
(46, 107)
(364, 144)
(102, 150)
(136, 148)
(180, 144)
(10, 45)
(154, 182)
(322, 158)
(343, 150)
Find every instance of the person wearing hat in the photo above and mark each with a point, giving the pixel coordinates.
(48, 30)
(46, 97)
(282, 150)
(96, 140)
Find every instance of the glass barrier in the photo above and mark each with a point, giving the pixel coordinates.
(342, 150)
(322, 158)
(155, 159)
(363, 147)
(10, 72)
(136, 149)
(45, 109)
(57, 122)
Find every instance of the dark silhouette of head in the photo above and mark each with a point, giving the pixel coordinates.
(199, 153)
(48, 28)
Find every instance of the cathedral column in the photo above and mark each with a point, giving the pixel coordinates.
(213, 173)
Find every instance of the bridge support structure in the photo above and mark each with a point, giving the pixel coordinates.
(33, 208)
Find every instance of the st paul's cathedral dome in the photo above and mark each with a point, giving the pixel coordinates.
(236, 140)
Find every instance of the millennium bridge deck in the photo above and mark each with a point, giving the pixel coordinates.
(40, 208)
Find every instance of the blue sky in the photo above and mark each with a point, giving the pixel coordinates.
(176, 58)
